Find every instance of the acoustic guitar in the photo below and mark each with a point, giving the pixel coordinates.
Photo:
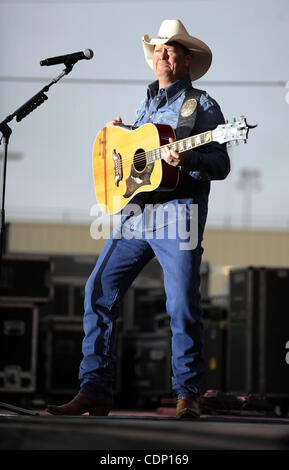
(128, 162)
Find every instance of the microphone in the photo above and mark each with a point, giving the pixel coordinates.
(68, 58)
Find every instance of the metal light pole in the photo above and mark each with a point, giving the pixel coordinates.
(249, 181)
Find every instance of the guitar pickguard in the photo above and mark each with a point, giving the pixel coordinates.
(137, 179)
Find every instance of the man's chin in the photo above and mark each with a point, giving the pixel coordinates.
(164, 68)
(163, 73)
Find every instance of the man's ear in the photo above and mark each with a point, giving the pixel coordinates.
(188, 59)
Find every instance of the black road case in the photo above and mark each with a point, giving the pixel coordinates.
(215, 342)
(243, 331)
(258, 331)
(26, 278)
(18, 347)
(143, 367)
(60, 354)
(274, 332)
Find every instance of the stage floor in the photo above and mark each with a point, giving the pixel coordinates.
(134, 430)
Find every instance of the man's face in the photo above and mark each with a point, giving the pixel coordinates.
(170, 62)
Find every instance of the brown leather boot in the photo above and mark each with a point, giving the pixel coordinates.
(81, 404)
(187, 409)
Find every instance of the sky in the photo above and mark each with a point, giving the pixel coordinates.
(49, 171)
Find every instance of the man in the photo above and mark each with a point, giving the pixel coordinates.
(176, 58)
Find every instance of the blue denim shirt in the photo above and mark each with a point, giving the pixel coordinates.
(198, 167)
(162, 106)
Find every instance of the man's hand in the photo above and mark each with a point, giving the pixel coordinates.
(171, 156)
(115, 122)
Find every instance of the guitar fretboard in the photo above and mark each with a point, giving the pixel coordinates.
(180, 145)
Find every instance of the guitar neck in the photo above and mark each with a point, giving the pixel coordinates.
(180, 145)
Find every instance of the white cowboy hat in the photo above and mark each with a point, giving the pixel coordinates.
(174, 30)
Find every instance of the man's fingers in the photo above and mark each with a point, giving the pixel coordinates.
(169, 155)
(165, 152)
(115, 122)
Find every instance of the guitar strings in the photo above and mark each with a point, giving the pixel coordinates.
(141, 156)
(191, 139)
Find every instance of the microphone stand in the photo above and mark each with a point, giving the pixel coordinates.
(6, 131)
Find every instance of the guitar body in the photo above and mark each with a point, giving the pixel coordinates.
(120, 169)
(128, 162)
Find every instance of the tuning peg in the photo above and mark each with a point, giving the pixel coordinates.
(236, 142)
(226, 121)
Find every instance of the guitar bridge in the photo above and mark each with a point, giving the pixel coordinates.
(118, 173)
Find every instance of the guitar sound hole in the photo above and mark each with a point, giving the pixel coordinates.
(139, 160)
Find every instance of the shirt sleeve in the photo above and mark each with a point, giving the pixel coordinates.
(211, 161)
(140, 113)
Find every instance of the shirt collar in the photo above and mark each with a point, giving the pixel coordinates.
(172, 92)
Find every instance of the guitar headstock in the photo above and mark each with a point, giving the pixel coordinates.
(234, 131)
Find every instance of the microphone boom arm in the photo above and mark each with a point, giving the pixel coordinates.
(6, 131)
(35, 101)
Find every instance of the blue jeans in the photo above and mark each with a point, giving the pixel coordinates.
(125, 253)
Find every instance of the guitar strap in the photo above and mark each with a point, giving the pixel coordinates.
(188, 113)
